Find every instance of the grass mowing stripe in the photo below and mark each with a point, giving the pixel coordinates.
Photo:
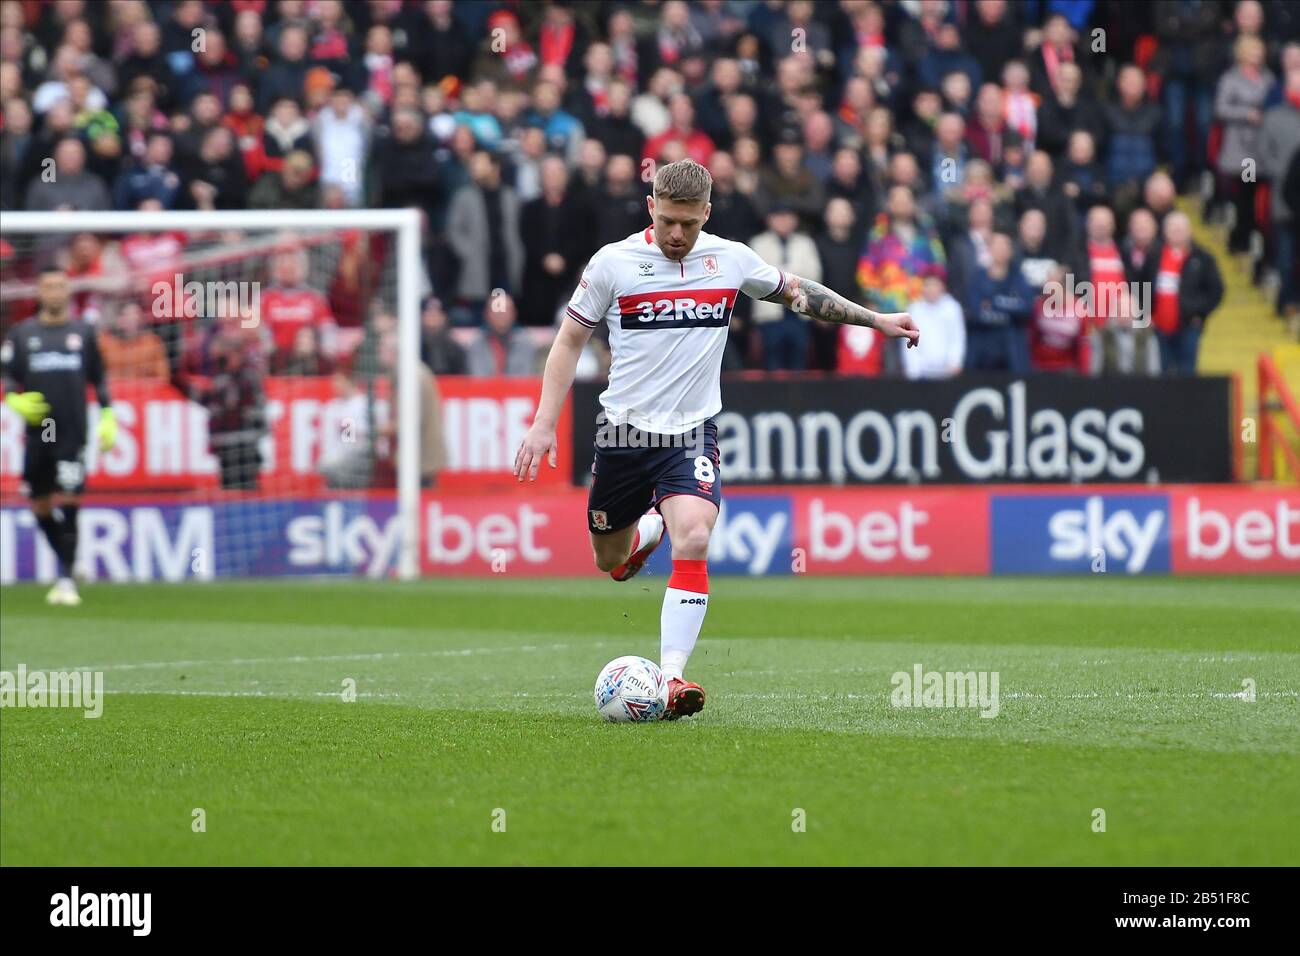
(393, 785)
(1120, 694)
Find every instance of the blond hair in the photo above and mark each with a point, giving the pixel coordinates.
(683, 181)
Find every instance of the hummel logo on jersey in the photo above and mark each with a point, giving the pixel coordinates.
(647, 268)
(694, 601)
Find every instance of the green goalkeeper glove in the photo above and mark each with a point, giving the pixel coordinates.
(31, 405)
(107, 428)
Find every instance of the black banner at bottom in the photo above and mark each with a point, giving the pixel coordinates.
(334, 905)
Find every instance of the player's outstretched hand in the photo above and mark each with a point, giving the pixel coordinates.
(539, 443)
(31, 405)
(899, 325)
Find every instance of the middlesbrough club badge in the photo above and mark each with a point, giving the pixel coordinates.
(710, 265)
(600, 521)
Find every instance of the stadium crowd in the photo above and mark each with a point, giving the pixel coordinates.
(967, 161)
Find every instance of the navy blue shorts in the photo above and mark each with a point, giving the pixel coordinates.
(636, 470)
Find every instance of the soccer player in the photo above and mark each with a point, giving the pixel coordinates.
(45, 364)
(667, 294)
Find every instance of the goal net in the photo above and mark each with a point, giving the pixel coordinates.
(263, 369)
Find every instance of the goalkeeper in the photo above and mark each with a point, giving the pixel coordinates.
(46, 363)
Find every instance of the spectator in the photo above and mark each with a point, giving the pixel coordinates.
(798, 16)
(1054, 53)
(733, 215)
(818, 142)
(16, 139)
(1069, 109)
(725, 85)
(948, 156)
(248, 127)
(129, 350)
(66, 69)
(1120, 335)
(502, 348)
(590, 101)
(526, 160)
(555, 245)
(439, 350)
(1187, 60)
(969, 250)
(433, 450)
(293, 187)
(1159, 195)
(146, 60)
(347, 458)
(956, 92)
(214, 179)
(153, 178)
(342, 137)
(999, 37)
(1082, 178)
(399, 163)
(1041, 192)
(998, 309)
(1036, 264)
(1020, 104)
(483, 230)
(788, 183)
(235, 402)
(73, 188)
(440, 45)
(478, 112)
(621, 210)
(785, 333)
(286, 131)
(1239, 104)
(918, 129)
(564, 134)
(216, 68)
(1058, 331)
(837, 248)
(681, 128)
(985, 131)
(284, 78)
(901, 246)
(1279, 143)
(941, 352)
(304, 358)
(978, 185)
(848, 182)
(1188, 288)
(189, 129)
(650, 108)
(292, 303)
(615, 129)
(1131, 126)
(945, 57)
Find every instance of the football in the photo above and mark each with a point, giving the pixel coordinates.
(630, 690)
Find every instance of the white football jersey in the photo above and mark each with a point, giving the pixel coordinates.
(667, 325)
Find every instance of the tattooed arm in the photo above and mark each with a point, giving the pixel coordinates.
(807, 297)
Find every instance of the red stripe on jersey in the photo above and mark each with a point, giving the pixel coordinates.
(677, 308)
(648, 238)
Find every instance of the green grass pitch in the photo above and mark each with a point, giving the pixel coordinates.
(474, 697)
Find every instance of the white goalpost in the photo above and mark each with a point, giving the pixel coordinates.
(244, 248)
